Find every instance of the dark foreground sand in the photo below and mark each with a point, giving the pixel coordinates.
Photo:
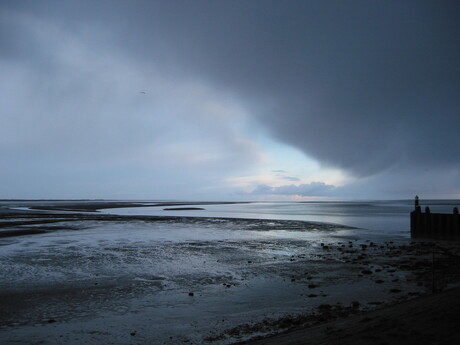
(431, 319)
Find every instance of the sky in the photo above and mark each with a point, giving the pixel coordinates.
(229, 100)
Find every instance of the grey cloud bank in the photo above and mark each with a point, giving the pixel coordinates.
(369, 87)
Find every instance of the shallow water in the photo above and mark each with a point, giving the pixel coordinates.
(384, 216)
(181, 280)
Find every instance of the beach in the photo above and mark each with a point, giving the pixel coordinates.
(431, 319)
(73, 275)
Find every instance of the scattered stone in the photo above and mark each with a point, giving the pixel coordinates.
(52, 321)
(191, 294)
(379, 281)
(395, 290)
(366, 272)
(325, 307)
(312, 295)
(133, 333)
(312, 286)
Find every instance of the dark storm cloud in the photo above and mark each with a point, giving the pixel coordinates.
(371, 87)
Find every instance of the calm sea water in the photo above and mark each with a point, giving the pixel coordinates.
(385, 216)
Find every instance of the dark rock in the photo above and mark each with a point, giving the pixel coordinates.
(325, 307)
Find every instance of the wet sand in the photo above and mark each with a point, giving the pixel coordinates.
(431, 319)
(430, 315)
(83, 280)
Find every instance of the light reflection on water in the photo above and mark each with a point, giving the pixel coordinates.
(386, 216)
(137, 274)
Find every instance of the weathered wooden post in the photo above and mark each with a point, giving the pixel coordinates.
(417, 219)
(427, 221)
(434, 225)
(455, 223)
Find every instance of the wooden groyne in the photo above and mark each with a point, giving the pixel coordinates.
(434, 225)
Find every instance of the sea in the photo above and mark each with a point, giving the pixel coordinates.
(383, 216)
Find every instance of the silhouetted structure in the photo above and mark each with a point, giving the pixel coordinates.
(434, 225)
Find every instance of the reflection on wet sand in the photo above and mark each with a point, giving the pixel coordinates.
(90, 277)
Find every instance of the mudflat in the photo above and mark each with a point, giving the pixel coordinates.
(430, 319)
(89, 277)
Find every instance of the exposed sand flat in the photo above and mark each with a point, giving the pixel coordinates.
(431, 319)
(97, 278)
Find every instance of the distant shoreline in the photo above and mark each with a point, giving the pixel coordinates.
(94, 205)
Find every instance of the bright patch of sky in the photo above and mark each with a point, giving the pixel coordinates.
(286, 165)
